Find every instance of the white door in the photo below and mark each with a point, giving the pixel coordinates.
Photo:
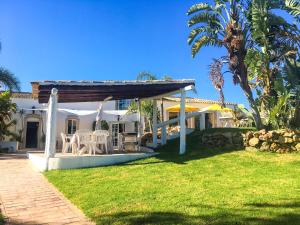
(116, 128)
(115, 134)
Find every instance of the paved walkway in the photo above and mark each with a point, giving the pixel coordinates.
(28, 198)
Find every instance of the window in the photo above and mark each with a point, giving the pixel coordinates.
(123, 104)
(173, 115)
(72, 126)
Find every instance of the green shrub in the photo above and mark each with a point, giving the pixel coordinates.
(104, 125)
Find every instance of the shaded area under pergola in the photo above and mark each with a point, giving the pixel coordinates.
(54, 92)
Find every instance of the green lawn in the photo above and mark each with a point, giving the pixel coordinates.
(205, 186)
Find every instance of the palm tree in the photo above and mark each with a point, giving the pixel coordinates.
(239, 26)
(147, 105)
(146, 76)
(8, 80)
(274, 42)
(291, 75)
(224, 25)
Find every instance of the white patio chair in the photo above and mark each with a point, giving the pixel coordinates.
(100, 137)
(65, 143)
(85, 139)
(74, 144)
(121, 142)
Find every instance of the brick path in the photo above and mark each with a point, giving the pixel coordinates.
(28, 198)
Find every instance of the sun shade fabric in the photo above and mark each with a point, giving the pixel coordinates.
(176, 108)
(90, 91)
(78, 112)
(216, 107)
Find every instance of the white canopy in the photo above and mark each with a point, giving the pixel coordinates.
(124, 115)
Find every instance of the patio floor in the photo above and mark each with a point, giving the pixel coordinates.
(28, 198)
(70, 161)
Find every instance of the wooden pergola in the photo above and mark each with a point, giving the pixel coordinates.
(53, 92)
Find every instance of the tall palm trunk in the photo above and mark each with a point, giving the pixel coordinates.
(235, 44)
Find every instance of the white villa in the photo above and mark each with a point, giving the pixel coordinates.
(31, 118)
(59, 119)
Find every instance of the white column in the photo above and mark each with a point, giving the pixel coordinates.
(154, 133)
(182, 123)
(50, 146)
(140, 125)
(163, 135)
(163, 128)
(202, 121)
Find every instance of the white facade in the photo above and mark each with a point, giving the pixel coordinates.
(33, 121)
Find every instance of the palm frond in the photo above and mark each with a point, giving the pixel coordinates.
(291, 72)
(293, 6)
(167, 77)
(216, 76)
(199, 7)
(9, 80)
(206, 18)
(205, 41)
(206, 30)
(278, 109)
(146, 76)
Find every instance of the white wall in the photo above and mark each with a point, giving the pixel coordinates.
(85, 122)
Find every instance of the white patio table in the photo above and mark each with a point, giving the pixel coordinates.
(90, 140)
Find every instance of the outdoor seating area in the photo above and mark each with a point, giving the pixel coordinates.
(85, 141)
(98, 142)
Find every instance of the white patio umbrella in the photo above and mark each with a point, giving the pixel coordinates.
(99, 117)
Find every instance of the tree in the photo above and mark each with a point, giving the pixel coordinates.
(275, 42)
(8, 80)
(146, 76)
(291, 76)
(147, 105)
(7, 109)
(256, 39)
(224, 25)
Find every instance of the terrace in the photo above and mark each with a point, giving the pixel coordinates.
(54, 92)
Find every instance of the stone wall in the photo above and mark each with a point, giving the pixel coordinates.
(221, 139)
(279, 141)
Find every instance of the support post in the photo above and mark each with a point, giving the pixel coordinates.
(163, 128)
(154, 133)
(50, 145)
(163, 135)
(140, 125)
(202, 121)
(182, 123)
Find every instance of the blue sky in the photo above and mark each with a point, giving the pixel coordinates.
(103, 40)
